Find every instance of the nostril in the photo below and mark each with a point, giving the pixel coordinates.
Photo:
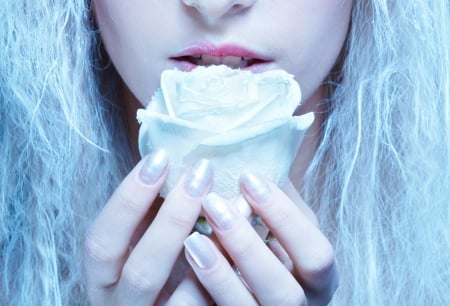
(236, 8)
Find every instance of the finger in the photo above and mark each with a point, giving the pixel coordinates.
(277, 249)
(293, 194)
(215, 273)
(190, 292)
(310, 251)
(151, 261)
(257, 264)
(108, 239)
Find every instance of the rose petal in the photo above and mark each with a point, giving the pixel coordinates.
(236, 119)
(269, 152)
(244, 133)
(274, 145)
(157, 104)
(222, 98)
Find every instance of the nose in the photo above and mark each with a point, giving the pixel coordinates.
(216, 9)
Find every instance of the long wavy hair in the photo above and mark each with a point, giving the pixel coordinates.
(380, 181)
(63, 148)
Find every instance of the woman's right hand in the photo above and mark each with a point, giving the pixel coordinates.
(132, 246)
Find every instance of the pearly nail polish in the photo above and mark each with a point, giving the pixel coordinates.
(243, 207)
(154, 165)
(255, 187)
(200, 251)
(218, 210)
(198, 178)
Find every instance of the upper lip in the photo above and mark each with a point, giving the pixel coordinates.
(205, 54)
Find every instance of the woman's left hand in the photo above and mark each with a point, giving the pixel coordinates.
(298, 268)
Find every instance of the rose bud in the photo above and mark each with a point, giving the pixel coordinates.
(238, 120)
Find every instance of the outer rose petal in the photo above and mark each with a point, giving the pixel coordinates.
(268, 148)
(222, 99)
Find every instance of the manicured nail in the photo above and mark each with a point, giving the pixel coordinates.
(154, 165)
(219, 211)
(255, 187)
(198, 178)
(200, 251)
(243, 207)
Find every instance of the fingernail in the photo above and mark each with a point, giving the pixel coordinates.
(243, 207)
(200, 251)
(255, 187)
(198, 178)
(153, 166)
(219, 211)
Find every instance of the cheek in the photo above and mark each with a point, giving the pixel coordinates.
(316, 41)
(119, 10)
(119, 23)
(111, 25)
(124, 31)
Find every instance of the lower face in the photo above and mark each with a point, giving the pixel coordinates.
(145, 37)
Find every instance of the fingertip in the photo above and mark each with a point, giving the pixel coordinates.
(255, 188)
(201, 254)
(243, 207)
(153, 167)
(198, 179)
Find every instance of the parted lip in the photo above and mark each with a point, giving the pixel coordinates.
(205, 54)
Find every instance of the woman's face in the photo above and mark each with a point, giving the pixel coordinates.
(145, 37)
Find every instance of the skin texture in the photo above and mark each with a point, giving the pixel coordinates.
(142, 36)
(133, 247)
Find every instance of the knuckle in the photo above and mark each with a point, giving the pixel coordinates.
(291, 297)
(96, 249)
(219, 287)
(280, 217)
(243, 249)
(137, 280)
(180, 220)
(322, 264)
(129, 202)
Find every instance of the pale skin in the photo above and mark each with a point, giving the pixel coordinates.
(140, 250)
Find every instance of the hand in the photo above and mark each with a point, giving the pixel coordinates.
(132, 249)
(298, 268)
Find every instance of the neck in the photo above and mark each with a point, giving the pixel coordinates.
(131, 105)
(311, 138)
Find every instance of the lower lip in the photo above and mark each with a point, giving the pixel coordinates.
(255, 68)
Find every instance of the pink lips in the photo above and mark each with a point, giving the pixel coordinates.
(225, 50)
(230, 55)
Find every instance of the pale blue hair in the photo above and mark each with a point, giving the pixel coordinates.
(380, 181)
(60, 155)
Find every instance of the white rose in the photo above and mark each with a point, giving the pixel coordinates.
(236, 119)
